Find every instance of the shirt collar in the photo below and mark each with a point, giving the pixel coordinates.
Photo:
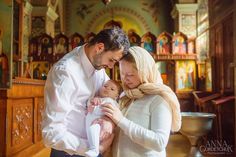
(87, 66)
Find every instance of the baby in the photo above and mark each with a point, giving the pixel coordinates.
(108, 93)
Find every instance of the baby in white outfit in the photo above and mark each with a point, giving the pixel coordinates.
(108, 93)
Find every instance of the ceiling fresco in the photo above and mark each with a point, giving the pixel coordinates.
(139, 15)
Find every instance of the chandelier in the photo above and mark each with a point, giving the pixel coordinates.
(106, 2)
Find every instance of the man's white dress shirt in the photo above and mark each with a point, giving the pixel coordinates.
(70, 83)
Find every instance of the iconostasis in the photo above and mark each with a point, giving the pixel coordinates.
(174, 55)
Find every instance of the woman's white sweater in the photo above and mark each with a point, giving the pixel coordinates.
(145, 129)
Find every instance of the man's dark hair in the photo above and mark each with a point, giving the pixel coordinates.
(113, 39)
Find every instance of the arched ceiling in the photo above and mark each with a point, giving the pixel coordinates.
(129, 18)
(85, 16)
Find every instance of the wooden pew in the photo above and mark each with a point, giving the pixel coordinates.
(202, 101)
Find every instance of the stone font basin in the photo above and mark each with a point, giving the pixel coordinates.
(194, 126)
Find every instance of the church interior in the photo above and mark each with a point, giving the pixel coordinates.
(192, 41)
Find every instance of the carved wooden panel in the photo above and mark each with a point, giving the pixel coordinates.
(18, 118)
(40, 108)
(22, 123)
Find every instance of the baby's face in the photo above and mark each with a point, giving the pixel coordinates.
(109, 89)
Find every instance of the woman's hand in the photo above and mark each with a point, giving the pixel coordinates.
(112, 112)
(107, 127)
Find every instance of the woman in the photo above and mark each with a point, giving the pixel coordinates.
(149, 109)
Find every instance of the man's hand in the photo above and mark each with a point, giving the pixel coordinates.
(95, 101)
(90, 108)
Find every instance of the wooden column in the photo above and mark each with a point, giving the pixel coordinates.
(185, 18)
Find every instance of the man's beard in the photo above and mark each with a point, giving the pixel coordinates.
(97, 62)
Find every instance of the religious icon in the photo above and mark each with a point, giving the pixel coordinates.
(76, 40)
(61, 47)
(61, 44)
(179, 44)
(134, 38)
(39, 70)
(164, 43)
(46, 46)
(45, 50)
(148, 42)
(185, 75)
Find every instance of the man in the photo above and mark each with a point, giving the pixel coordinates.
(70, 83)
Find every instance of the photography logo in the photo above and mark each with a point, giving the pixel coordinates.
(216, 147)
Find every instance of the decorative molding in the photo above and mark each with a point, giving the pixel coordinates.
(40, 109)
(28, 8)
(26, 81)
(52, 14)
(39, 11)
(45, 11)
(174, 13)
(187, 8)
(186, 13)
(175, 57)
(53, 4)
(183, 8)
